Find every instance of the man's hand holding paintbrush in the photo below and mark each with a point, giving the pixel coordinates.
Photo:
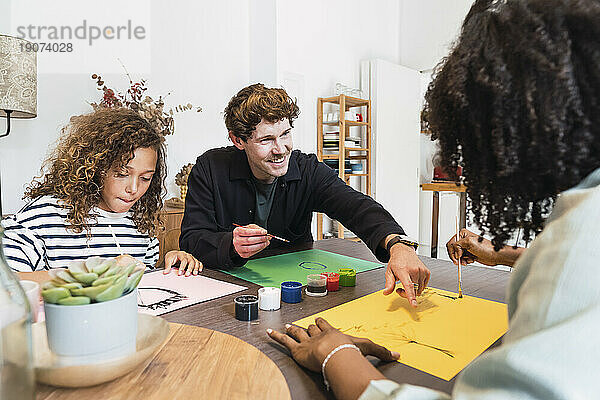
(251, 239)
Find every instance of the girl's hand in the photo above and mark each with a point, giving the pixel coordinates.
(187, 263)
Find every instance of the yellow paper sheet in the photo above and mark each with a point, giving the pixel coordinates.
(441, 336)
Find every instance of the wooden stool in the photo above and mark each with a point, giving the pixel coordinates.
(436, 188)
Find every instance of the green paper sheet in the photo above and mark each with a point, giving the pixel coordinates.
(271, 271)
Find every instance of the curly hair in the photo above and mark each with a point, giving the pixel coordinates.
(253, 103)
(89, 147)
(517, 104)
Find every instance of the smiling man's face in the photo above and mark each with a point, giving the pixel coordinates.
(268, 149)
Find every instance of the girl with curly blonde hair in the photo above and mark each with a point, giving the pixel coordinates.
(99, 196)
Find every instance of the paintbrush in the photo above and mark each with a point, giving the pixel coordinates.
(459, 264)
(268, 234)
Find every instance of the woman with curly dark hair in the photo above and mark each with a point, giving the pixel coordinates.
(99, 196)
(517, 104)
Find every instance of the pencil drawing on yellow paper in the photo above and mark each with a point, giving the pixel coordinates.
(441, 336)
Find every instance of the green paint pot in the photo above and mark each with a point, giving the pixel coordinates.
(347, 277)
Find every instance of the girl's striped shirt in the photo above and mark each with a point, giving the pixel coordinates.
(37, 237)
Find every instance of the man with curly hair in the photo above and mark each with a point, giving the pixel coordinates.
(99, 196)
(262, 184)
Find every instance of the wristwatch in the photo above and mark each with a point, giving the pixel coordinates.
(401, 239)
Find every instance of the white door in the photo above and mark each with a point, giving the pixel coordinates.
(395, 93)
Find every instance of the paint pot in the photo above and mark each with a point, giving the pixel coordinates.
(269, 298)
(333, 281)
(291, 292)
(316, 285)
(246, 307)
(347, 277)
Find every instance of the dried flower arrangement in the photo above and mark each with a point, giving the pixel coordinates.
(152, 110)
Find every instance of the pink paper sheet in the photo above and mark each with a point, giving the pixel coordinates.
(159, 294)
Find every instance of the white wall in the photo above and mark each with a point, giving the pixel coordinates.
(263, 42)
(320, 43)
(204, 51)
(427, 30)
(199, 52)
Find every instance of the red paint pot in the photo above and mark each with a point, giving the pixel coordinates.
(333, 281)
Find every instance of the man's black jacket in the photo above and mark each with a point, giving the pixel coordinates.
(220, 193)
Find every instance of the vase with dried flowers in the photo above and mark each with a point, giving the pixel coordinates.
(135, 99)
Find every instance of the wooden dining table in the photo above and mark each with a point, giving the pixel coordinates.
(218, 314)
(192, 363)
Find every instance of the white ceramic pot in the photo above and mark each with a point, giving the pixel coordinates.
(92, 332)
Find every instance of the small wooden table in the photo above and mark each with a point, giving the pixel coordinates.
(436, 188)
(193, 363)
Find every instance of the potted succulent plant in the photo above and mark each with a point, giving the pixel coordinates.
(91, 309)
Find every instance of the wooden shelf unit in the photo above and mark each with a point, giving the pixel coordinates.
(342, 152)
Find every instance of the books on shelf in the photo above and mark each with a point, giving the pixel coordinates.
(336, 136)
(356, 167)
(336, 144)
(350, 166)
(334, 163)
(332, 141)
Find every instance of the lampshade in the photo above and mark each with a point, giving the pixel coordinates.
(18, 78)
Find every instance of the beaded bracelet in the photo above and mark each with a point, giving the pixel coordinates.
(332, 352)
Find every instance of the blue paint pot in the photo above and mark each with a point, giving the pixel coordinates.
(291, 292)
